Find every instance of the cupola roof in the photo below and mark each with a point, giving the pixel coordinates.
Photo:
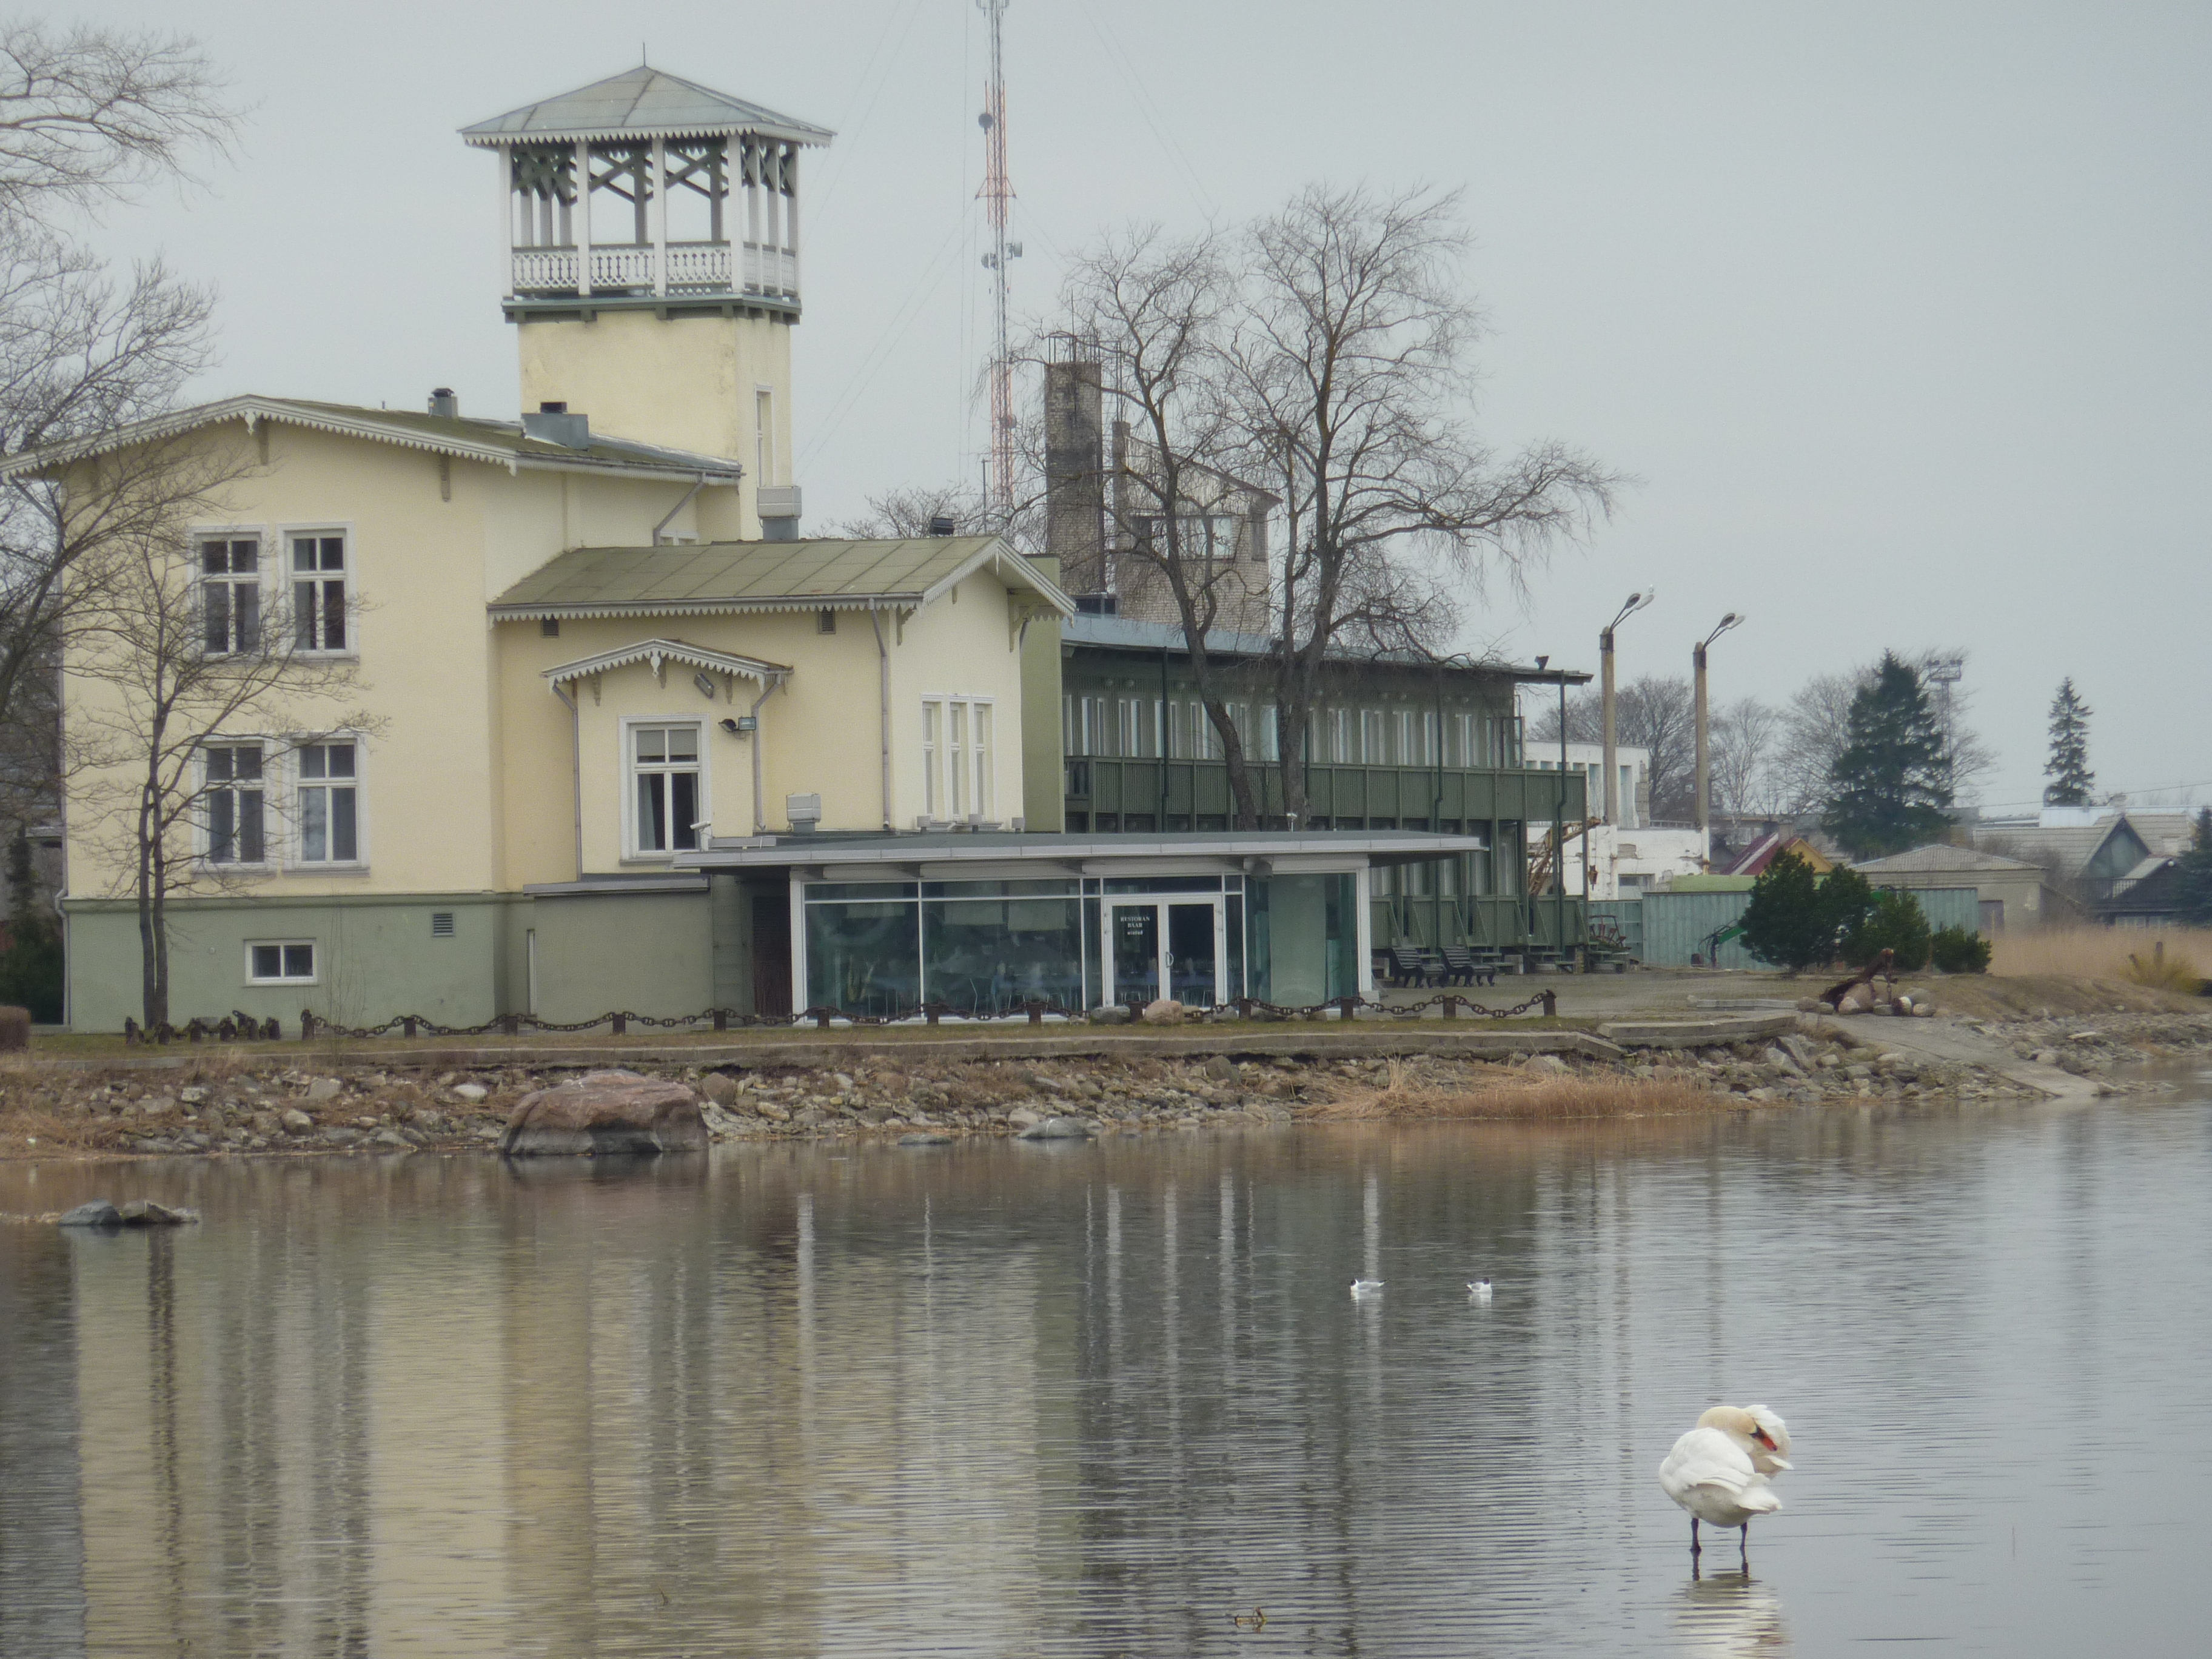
(642, 103)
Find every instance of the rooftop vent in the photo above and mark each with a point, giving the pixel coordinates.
(802, 812)
(554, 424)
(444, 404)
(944, 525)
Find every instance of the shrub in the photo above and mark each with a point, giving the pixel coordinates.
(1896, 925)
(1783, 924)
(2160, 970)
(1846, 903)
(1959, 951)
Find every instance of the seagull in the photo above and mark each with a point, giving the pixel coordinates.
(1479, 1289)
(1363, 1287)
(1719, 1470)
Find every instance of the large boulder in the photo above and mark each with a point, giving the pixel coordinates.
(604, 1112)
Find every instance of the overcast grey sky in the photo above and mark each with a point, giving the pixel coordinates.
(1900, 311)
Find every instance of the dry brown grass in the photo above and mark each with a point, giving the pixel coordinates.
(2098, 952)
(35, 1132)
(1517, 1096)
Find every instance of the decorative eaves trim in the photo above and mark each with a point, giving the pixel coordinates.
(656, 651)
(583, 610)
(996, 557)
(252, 411)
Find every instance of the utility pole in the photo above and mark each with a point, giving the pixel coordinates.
(1636, 603)
(1705, 738)
(997, 191)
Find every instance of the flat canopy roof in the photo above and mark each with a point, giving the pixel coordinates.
(1238, 847)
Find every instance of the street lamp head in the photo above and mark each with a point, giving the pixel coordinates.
(1733, 619)
(1636, 601)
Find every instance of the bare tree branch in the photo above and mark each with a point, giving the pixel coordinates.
(89, 115)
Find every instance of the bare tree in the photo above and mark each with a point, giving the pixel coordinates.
(912, 513)
(1653, 713)
(1154, 312)
(185, 694)
(1745, 735)
(1348, 370)
(87, 116)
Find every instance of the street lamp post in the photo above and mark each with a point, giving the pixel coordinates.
(1636, 603)
(1704, 738)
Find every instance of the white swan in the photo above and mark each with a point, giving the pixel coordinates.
(1719, 1470)
(1367, 1287)
(1479, 1289)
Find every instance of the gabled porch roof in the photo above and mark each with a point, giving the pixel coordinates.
(657, 650)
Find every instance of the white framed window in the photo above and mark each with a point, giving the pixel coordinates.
(1371, 751)
(979, 758)
(957, 748)
(232, 819)
(319, 619)
(326, 801)
(667, 788)
(230, 594)
(955, 757)
(933, 718)
(280, 961)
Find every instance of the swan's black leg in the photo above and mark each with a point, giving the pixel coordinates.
(1694, 1545)
(1743, 1545)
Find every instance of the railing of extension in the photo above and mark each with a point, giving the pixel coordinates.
(239, 1027)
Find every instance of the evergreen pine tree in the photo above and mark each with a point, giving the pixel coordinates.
(2193, 881)
(2068, 769)
(1889, 789)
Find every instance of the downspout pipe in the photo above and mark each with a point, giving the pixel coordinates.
(576, 769)
(697, 487)
(760, 807)
(883, 692)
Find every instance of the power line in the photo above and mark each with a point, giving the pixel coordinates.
(1126, 69)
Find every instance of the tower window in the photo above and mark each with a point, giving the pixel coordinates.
(826, 623)
(549, 627)
(764, 437)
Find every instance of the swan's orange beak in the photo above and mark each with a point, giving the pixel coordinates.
(1760, 1435)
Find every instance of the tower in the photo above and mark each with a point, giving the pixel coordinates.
(653, 268)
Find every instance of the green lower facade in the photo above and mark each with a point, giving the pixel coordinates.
(456, 959)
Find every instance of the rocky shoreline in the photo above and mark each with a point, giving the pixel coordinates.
(384, 1110)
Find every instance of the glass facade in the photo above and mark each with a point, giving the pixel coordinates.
(986, 948)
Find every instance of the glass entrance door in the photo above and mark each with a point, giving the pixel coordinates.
(1193, 974)
(1156, 943)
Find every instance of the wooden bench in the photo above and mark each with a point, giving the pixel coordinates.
(1463, 967)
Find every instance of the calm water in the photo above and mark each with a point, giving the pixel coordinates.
(1014, 1400)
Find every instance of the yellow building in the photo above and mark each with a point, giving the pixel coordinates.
(464, 718)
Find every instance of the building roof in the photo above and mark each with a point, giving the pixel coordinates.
(643, 103)
(500, 443)
(1018, 847)
(1770, 847)
(1939, 856)
(711, 577)
(2154, 890)
(1128, 634)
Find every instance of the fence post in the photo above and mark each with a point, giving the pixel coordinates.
(821, 1018)
(408, 1025)
(722, 1019)
(510, 1025)
(1551, 1004)
(1035, 1012)
(1451, 1006)
(622, 1023)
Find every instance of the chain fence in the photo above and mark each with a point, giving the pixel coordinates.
(240, 1027)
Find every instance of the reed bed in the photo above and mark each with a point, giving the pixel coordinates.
(1516, 1097)
(2158, 959)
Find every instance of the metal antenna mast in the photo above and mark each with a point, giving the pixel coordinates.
(997, 191)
